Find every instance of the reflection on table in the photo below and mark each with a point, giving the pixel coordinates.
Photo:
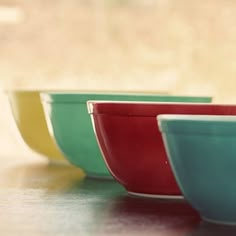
(40, 199)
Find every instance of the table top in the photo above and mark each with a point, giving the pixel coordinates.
(41, 199)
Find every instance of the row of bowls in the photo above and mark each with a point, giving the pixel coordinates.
(191, 153)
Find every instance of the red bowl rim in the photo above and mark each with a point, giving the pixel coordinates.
(152, 109)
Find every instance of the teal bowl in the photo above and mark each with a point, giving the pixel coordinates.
(70, 124)
(202, 153)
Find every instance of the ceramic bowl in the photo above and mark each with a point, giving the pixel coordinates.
(70, 124)
(202, 153)
(132, 145)
(29, 116)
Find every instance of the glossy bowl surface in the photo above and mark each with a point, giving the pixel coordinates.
(70, 124)
(132, 145)
(29, 116)
(202, 153)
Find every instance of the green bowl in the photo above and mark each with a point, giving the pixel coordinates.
(202, 153)
(70, 124)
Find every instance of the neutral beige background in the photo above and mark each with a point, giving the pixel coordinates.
(180, 47)
(175, 46)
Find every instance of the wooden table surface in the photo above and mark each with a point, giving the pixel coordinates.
(41, 199)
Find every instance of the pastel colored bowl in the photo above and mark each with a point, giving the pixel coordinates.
(132, 145)
(29, 116)
(70, 124)
(202, 153)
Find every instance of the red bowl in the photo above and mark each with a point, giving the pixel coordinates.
(132, 145)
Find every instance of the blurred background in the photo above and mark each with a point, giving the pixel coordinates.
(167, 46)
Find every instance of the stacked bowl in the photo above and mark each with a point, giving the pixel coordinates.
(202, 153)
(70, 124)
(29, 117)
(157, 146)
(198, 141)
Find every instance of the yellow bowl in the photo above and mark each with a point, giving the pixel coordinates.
(29, 117)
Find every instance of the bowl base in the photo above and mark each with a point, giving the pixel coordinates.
(58, 162)
(219, 222)
(159, 196)
(101, 177)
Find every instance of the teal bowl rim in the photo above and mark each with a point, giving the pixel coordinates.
(83, 97)
(197, 124)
